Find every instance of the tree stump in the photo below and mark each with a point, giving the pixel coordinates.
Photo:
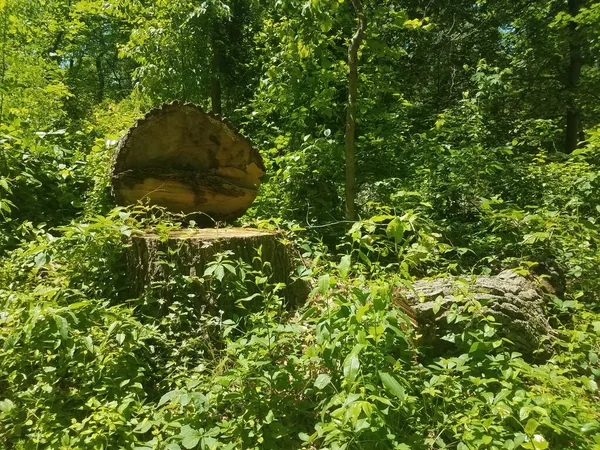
(187, 161)
(154, 261)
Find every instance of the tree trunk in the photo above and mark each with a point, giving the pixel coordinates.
(189, 162)
(4, 12)
(574, 73)
(154, 264)
(350, 143)
(100, 75)
(215, 81)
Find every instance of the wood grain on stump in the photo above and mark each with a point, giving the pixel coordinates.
(187, 161)
(153, 260)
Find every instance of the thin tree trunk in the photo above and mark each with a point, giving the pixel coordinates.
(350, 143)
(573, 114)
(215, 81)
(3, 62)
(100, 75)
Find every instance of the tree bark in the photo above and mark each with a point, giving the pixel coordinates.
(3, 62)
(100, 75)
(517, 304)
(154, 263)
(350, 142)
(215, 81)
(573, 118)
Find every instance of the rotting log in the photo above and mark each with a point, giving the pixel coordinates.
(188, 161)
(154, 260)
(516, 303)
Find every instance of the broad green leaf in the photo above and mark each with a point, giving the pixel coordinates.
(6, 405)
(219, 272)
(190, 437)
(392, 386)
(395, 229)
(539, 442)
(143, 426)
(63, 326)
(322, 381)
(269, 417)
(40, 259)
(361, 312)
(173, 446)
(352, 364)
(344, 266)
(89, 343)
(323, 283)
(531, 426)
(168, 397)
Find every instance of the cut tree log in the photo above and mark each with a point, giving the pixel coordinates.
(188, 161)
(516, 303)
(154, 262)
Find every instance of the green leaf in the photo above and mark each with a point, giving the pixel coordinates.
(173, 446)
(310, 312)
(169, 396)
(352, 364)
(190, 437)
(40, 259)
(6, 405)
(361, 312)
(269, 417)
(531, 426)
(219, 272)
(344, 266)
(89, 343)
(63, 326)
(539, 442)
(392, 386)
(143, 426)
(323, 283)
(304, 437)
(395, 229)
(322, 381)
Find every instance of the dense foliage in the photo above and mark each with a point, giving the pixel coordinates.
(478, 135)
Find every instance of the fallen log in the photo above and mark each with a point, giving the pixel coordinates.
(188, 161)
(516, 303)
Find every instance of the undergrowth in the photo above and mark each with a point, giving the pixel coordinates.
(85, 365)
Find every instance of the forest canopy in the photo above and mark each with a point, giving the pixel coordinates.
(402, 142)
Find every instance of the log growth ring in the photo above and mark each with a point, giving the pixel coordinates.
(187, 161)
